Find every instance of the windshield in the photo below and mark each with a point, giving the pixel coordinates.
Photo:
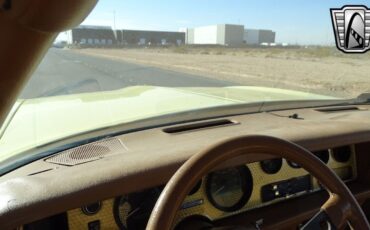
(133, 60)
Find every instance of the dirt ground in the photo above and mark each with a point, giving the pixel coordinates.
(315, 69)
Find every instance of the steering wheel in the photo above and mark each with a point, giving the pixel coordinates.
(341, 207)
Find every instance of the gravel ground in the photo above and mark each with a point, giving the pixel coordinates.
(319, 70)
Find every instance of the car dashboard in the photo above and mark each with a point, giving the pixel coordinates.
(222, 193)
(115, 182)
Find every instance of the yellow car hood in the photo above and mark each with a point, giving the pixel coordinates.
(35, 122)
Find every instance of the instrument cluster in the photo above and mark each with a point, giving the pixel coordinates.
(220, 193)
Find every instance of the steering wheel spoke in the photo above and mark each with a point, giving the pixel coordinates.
(334, 214)
(320, 221)
(338, 210)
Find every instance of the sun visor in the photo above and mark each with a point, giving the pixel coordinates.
(48, 15)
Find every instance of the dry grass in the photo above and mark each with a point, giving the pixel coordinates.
(278, 52)
(323, 70)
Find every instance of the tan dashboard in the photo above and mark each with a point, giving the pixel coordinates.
(249, 186)
(131, 169)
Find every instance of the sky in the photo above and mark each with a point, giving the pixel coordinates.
(294, 21)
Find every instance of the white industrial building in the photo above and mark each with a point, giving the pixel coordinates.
(223, 34)
(258, 37)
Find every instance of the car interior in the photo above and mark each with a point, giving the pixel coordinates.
(302, 166)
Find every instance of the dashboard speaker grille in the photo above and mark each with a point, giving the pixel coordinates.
(89, 152)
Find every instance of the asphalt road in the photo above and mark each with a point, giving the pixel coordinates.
(65, 72)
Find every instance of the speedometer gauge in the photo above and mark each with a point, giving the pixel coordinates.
(133, 211)
(229, 189)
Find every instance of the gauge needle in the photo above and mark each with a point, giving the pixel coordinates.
(219, 190)
(134, 211)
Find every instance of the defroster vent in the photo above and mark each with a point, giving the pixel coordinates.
(199, 125)
(89, 152)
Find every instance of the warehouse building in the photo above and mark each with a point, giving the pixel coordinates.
(141, 37)
(258, 37)
(105, 36)
(91, 35)
(222, 34)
